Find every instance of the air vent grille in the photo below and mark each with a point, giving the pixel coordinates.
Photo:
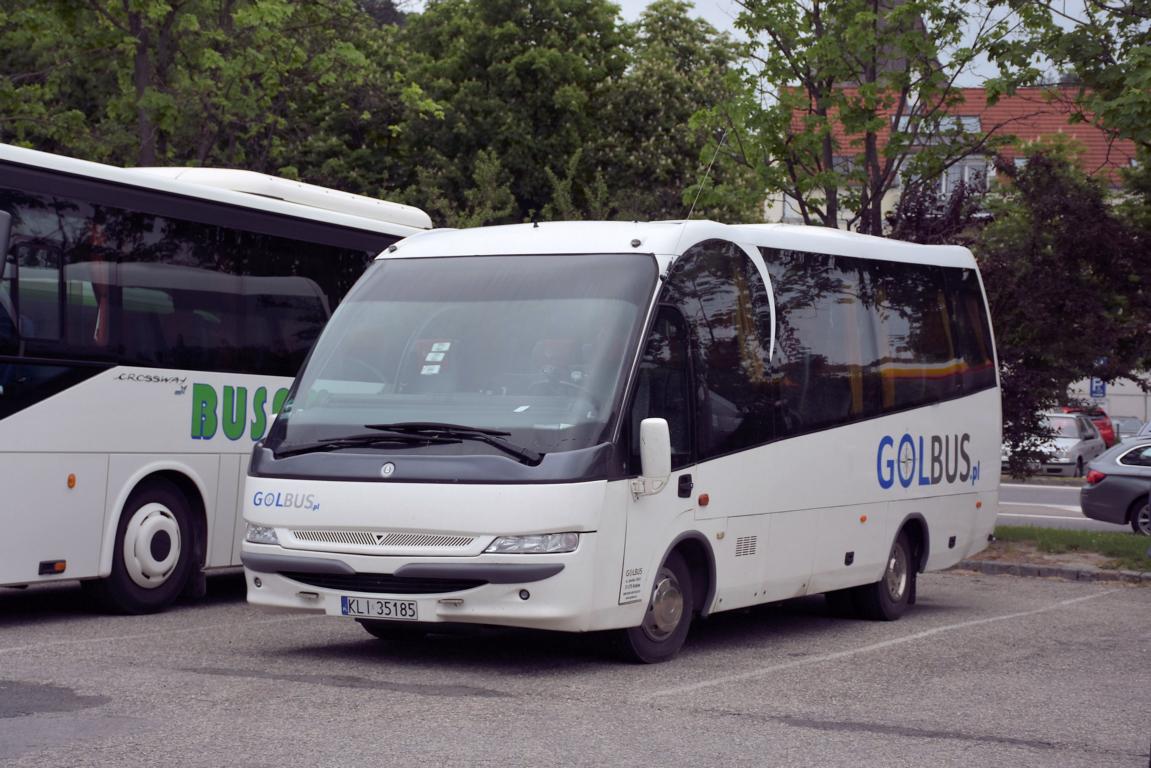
(745, 546)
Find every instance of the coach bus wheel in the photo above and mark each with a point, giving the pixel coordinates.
(393, 631)
(887, 599)
(153, 551)
(1141, 516)
(668, 616)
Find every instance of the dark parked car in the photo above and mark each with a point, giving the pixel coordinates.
(1117, 487)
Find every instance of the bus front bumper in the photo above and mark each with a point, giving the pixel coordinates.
(533, 591)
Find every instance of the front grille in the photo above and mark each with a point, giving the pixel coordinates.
(384, 539)
(384, 583)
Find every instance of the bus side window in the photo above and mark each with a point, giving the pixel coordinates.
(662, 388)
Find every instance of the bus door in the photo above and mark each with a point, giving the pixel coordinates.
(662, 390)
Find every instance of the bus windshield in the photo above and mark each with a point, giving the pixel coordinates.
(533, 347)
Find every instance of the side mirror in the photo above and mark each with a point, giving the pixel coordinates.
(654, 457)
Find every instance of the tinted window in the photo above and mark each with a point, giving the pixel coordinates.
(724, 299)
(94, 282)
(857, 338)
(663, 386)
(1140, 457)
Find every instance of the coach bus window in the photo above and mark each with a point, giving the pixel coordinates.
(92, 282)
(972, 330)
(857, 338)
(724, 298)
(922, 366)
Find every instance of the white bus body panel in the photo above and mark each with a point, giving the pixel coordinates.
(111, 441)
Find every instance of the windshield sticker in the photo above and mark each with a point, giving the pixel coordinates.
(925, 460)
(230, 411)
(434, 357)
(441, 346)
(429, 370)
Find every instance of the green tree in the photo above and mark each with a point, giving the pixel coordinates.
(310, 89)
(846, 99)
(1067, 280)
(522, 81)
(1107, 49)
(650, 153)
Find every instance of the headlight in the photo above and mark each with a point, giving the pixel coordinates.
(541, 544)
(261, 534)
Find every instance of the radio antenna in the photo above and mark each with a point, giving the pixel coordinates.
(706, 174)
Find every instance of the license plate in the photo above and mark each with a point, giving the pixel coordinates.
(377, 608)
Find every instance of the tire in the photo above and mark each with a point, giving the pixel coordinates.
(1141, 517)
(152, 558)
(393, 631)
(888, 598)
(667, 619)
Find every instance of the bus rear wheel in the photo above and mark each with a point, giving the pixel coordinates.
(667, 619)
(153, 552)
(888, 598)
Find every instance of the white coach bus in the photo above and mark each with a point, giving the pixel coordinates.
(150, 323)
(617, 426)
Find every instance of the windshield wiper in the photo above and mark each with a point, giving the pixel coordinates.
(354, 441)
(492, 437)
(435, 426)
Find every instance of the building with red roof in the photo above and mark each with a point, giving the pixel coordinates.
(1030, 115)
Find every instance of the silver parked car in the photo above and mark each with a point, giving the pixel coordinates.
(1142, 432)
(1075, 443)
(1126, 427)
(1117, 487)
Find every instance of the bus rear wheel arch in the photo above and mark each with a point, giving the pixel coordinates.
(156, 550)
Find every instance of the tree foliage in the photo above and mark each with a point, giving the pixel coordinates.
(1067, 281)
(268, 85)
(847, 99)
(1105, 46)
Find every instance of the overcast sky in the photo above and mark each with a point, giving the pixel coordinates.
(720, 13)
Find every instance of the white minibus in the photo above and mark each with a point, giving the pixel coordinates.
(624, 426)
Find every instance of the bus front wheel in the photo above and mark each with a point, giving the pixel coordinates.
(153, 553)
(668, 616)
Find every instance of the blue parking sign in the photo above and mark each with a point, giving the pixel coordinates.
(1098, 388)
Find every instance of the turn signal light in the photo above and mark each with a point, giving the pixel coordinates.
(1094, 476)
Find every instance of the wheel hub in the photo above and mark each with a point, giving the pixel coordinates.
(151, 545)
(896, 576)
(665, 611)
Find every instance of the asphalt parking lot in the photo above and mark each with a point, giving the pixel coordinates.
(986, 670)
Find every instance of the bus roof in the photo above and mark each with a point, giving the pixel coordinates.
(242, 188)
(665, 238)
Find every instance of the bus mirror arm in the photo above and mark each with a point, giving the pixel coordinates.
(654, 458)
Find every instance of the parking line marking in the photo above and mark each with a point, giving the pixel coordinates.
(147, 635)
(1066, 507)
(1074, 488)
(835, 656)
